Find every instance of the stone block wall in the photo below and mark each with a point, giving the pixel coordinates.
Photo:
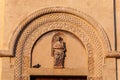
(13, 12)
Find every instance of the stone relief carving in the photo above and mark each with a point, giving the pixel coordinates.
(25, 43)
(58, 50)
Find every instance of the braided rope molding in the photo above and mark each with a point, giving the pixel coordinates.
(56, 17)
(56, 26)
(38, 13)
(27, 33)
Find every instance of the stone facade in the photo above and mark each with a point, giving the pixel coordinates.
(88, 30)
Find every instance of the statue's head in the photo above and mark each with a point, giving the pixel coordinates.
(58, 38)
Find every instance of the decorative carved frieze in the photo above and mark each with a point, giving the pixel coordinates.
(87, 30)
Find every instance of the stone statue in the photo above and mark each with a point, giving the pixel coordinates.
(58, 51)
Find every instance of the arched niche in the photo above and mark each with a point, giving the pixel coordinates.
(88, 31)
(75, 53)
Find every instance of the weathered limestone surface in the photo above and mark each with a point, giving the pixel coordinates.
(1, 31)
(16, 11)
(118, 62)
(7, 69)
(0, 68)
(118, 23)
(118, 34)
(2, 5)
(109, 70)
(12, 12)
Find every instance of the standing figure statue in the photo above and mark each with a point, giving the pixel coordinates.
(58, 51)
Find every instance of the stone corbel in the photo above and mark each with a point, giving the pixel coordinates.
(113, 54)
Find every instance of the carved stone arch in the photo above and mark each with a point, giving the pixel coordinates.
(58, 18)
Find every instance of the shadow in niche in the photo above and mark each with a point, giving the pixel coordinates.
(58, 77)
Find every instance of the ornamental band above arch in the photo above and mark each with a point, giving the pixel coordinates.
(23, 24)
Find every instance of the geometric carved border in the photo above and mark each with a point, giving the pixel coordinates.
(86, 29)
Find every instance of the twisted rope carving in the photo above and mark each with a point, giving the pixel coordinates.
(61, 19)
